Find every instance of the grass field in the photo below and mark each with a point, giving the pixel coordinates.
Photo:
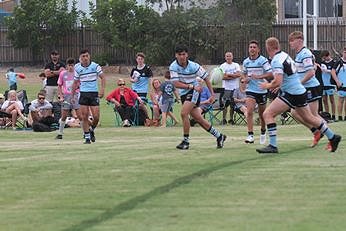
(133, 179)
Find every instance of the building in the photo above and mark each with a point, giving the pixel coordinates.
(328, 10)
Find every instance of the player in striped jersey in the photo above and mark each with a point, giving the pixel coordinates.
(183, 75)
(86, 77)
(304, 62)
(256, 69)
(292, 95)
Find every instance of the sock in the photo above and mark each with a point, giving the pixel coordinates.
(326, 131)
(250, 133)
(186, 138)
(272, 134)
(61, 127)
(214, 132)
(263, 131)
(313, 130)
(87, 135)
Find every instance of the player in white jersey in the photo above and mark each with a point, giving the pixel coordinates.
(184, 75)
(304, 62)
(256, 70)
(230, 82)
(292, 95)
(86, 77)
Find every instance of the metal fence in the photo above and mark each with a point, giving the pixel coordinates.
(331, 35)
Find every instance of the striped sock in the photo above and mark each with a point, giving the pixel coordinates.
(326, 131)
(272, 134)
(214, 132)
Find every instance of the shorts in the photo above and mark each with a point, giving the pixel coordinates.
(261, 98)
(192, 96)
(51, 93)
(142, 95)
(228, 98)
(89, 99)
(313, 93)
(294, 101)
(13, 86)
(67, 104)
(341, 93)
(328, 90)
(167, 106)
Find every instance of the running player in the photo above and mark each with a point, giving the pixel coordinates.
(256, 70)
(68, 103)
(304, 63)
(86, 76)
(292, 95)
(183, 75)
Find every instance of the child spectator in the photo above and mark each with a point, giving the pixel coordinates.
(167, 99)
(11, 77)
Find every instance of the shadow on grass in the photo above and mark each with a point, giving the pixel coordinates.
(134, 202)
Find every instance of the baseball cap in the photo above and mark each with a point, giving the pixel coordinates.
(2, 96)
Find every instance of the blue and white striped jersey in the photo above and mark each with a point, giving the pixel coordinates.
(88, 76)
(258, 66)
(283, 64)
(187, 75)
(304, 62)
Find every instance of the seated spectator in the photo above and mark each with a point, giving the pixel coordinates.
(239, 97)
(167, 99)
(205, 100)
(41, 113)
(14, 107)
(124, 99)
(155, 96)
(2, 99)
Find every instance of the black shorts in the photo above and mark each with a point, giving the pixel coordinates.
(228, 98)
(191, 97)
(328, 87)
(294, 101)
(313, 93)
(261, 98)
(142, 95)
(89, 99)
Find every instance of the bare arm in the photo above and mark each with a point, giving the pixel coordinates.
(308, 75)
(103, 85)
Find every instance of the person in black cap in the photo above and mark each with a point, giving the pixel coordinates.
(52, 71)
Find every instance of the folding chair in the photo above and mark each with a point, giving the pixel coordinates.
(239, 117)
(287, 118)
(5, 120)
(217, 107)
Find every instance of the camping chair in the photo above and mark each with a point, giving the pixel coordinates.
(217, 107)
(6, 118)
(287, 118)
(118, 122)
(239, 117)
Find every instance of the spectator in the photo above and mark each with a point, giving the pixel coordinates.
(155, 96)
(239, 97)
(230, 82)
(41, 113)
(52, 71)
(44, 80)
(2, 99)
(167, 99)
(124, 99)
(139, 77)
(14, 107)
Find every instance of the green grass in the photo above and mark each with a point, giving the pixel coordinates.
(135, 179)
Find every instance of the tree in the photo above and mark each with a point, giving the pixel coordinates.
(40, 24)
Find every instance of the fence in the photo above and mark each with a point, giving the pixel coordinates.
(331, 35)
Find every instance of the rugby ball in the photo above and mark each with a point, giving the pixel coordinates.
(135, 76)
(216, 75)
(21, 75)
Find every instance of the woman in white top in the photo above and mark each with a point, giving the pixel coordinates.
(14, 107)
